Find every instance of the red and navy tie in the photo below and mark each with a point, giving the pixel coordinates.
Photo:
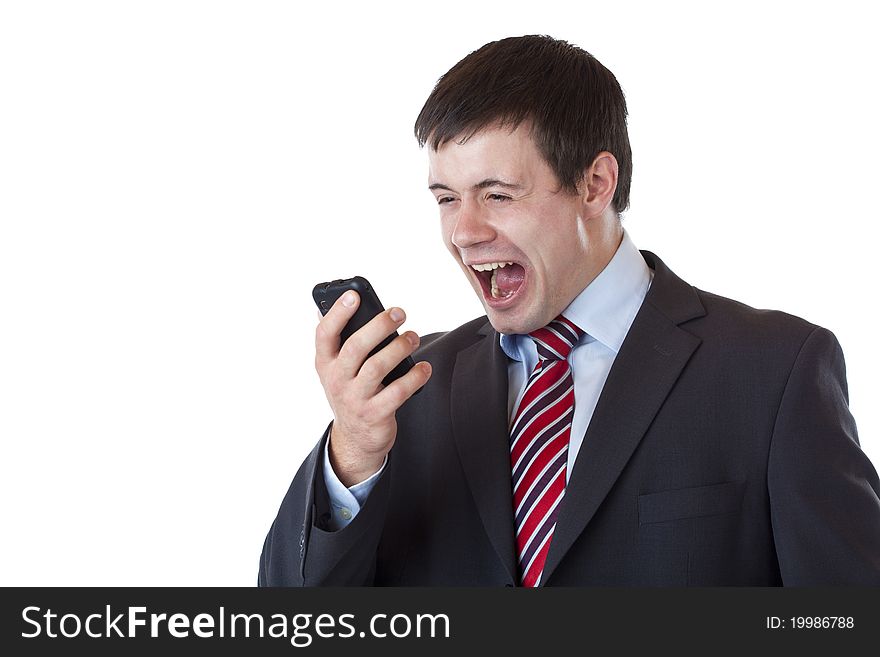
(539, 434)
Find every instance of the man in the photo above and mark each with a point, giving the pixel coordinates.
(605, 423)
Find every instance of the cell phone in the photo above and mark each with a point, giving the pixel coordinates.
(326, 294)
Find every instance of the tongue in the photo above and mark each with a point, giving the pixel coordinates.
(509, 279)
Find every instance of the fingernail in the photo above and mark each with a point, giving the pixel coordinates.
(413, 339)
(348, 299)
(397, 314)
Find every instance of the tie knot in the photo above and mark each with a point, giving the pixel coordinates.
(556, 340)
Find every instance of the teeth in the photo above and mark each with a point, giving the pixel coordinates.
(489, 266)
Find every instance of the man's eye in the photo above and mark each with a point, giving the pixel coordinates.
(445, 199)
(497, 197)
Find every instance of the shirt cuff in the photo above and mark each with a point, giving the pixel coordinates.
(345, 502)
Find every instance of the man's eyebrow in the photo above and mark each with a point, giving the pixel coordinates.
(494, 182)
(483, 184)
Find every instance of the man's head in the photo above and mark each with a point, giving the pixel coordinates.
(530, 163)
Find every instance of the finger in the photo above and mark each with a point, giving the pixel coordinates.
(394, 394)
(357, 348)
(378, 366)
(331, 325)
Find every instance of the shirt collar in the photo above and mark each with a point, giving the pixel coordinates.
(606, 308)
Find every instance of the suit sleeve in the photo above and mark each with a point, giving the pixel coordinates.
(301, 550)
(823, 489)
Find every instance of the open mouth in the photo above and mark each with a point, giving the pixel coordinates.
(500, 280)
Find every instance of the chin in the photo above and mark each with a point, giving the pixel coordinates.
(504, 323)
(499, 326)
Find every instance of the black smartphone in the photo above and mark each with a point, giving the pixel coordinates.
(326, 294)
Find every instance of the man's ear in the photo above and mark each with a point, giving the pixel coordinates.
(599, 184)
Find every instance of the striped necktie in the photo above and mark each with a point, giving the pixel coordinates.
(539, 435)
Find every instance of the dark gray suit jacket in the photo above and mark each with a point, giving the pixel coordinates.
(721, 452)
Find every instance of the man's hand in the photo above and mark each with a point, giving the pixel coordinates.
(364, 425)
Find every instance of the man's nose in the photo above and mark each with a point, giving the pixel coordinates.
(472, 225)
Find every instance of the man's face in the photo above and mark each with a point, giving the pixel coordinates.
(500, 203)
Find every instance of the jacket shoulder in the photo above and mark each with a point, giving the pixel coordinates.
(736, 322)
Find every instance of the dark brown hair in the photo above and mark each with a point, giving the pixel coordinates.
(575, 105)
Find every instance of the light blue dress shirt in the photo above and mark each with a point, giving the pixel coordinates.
(605, 310)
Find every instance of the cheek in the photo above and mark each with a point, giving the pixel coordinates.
(447, 242)
(553, 258)
(447, 225)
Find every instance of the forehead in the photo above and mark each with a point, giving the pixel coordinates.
(492, 152)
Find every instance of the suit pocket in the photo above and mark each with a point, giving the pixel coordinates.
(695, 502)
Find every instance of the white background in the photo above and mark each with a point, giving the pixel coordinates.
(176, 176)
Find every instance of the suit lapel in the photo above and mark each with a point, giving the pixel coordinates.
(649, 362)
(479, 420)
